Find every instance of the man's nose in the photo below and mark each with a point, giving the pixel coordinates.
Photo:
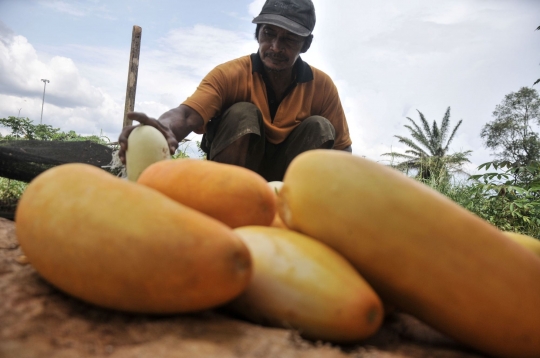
(277, 44)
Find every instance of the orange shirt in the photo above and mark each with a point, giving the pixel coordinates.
(237, 81)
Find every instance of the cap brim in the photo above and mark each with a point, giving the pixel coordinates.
(282, 22)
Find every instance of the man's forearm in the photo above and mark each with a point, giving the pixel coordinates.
(181, 120)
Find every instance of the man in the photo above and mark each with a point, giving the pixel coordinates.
(261, 111)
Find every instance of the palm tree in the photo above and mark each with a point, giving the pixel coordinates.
(433, 161)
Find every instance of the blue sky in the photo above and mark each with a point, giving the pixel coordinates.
(388, 59)
(52, 22)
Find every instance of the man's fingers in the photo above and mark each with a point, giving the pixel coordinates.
(145, 120)
(173, 144)
(122, 157)
(141, 118)
(125, 134)
(122, 140)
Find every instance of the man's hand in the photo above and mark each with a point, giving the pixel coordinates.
(145, 120)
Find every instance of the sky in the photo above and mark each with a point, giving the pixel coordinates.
(388, 58)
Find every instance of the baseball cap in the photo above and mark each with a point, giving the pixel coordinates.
(296, 16)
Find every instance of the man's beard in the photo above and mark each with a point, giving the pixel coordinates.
(274, 70)
(276, 57)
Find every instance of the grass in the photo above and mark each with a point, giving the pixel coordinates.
(10, 192)
(10, 188)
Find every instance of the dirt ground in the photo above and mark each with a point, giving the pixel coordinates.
(38, 321)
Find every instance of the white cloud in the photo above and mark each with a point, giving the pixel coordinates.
(254, 8)
(80, 9)
(71, 102)
(450, 13)
(62, 6)
(22, 70)
(169, 73)
(88, 97)
(83, 120)
(391, 59)
(202, 47)
(18, 64)
(388, 59)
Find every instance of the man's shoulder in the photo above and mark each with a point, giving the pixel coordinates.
(243, 62)
(320, 79)
(320, 75)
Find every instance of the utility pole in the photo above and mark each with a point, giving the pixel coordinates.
(45, 81)
(132, 73)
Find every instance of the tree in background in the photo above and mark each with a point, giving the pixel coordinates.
(511, 133)
(509, 196)
(428, 154)
(22, 128)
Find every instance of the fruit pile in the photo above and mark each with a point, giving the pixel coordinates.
(341, 241)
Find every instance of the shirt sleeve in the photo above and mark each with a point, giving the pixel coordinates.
(333, 111)
(208, 98)
(225, 85)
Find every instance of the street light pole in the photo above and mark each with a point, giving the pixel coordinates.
(45, 81)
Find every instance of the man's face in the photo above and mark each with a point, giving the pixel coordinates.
(278, 47)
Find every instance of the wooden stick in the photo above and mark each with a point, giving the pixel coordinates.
(132, 73)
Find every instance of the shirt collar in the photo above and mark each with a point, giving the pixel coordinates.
(302, 69)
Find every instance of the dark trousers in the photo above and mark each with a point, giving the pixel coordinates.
(267, 159)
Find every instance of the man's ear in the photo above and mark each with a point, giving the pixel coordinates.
(307, 44)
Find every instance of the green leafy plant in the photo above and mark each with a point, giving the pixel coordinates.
(184, 147)
(497, 198)
(510, 196)
(10, 192)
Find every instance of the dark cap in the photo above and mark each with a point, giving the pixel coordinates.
(296, 16)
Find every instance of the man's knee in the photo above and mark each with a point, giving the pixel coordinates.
(238, 120)
(241, 109)
(317, 132)
(238, 134)
(320, 125)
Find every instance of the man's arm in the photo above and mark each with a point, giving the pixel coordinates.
(174, 124)
(331, 109)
